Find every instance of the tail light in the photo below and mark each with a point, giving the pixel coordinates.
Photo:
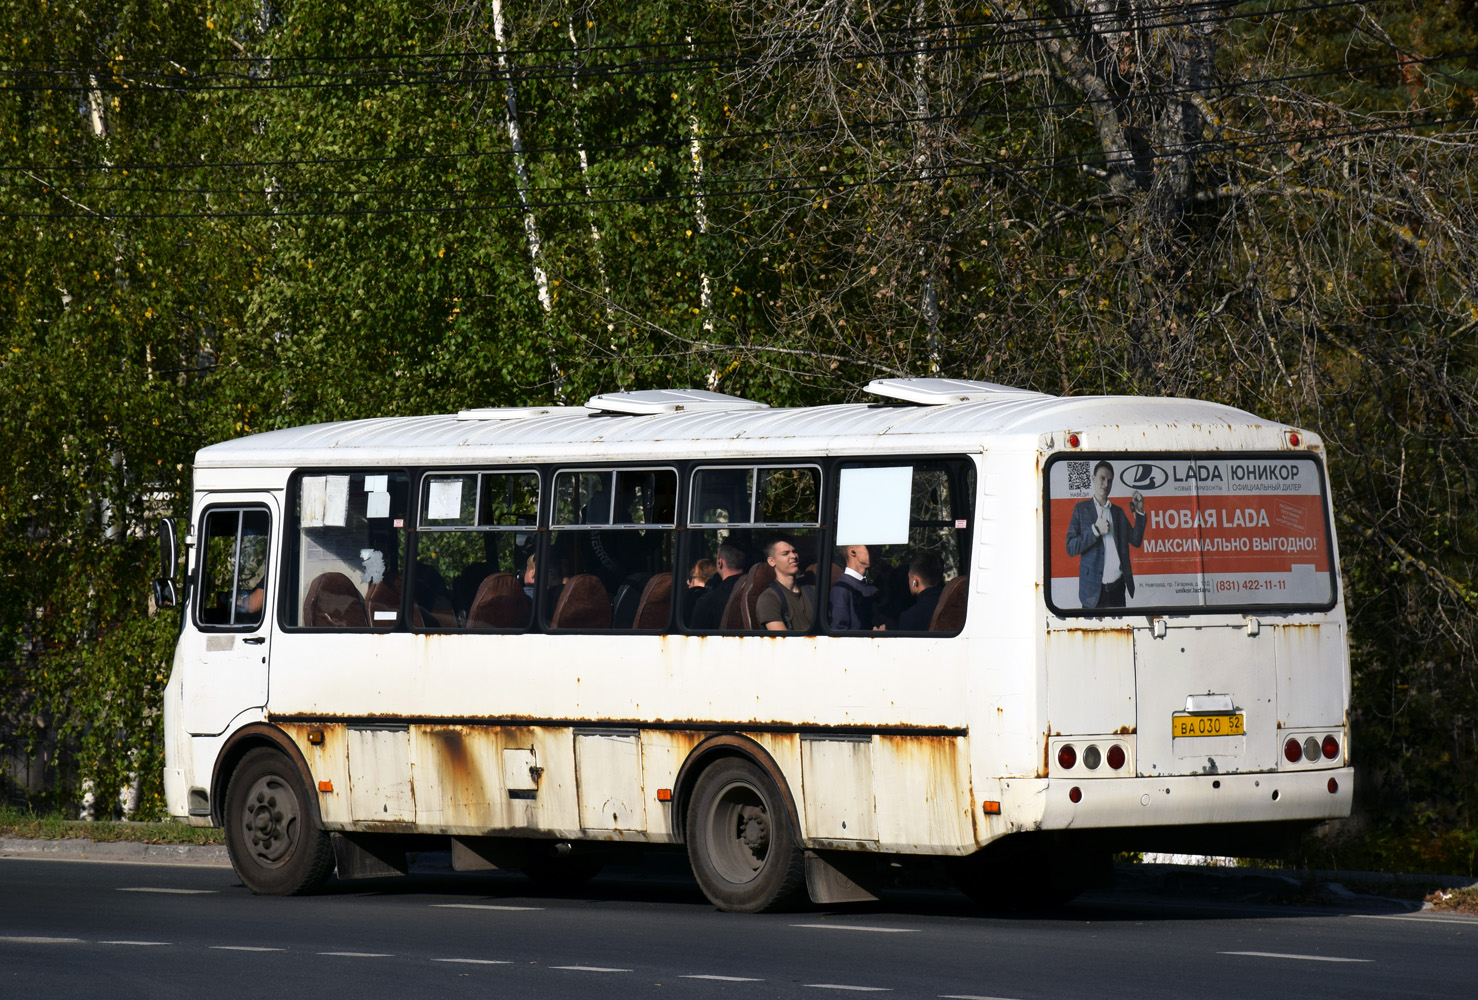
(1092, 757)
(1116, 756)
(1311, 749)
(1293, 751)
(1331, 748)
(1067, 757)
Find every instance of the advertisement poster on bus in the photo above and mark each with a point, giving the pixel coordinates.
(1154, 532)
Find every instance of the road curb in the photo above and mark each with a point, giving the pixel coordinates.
(91, 850)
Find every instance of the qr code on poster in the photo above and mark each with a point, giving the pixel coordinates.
(1077, 476)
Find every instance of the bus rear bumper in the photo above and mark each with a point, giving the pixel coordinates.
(1186, 800)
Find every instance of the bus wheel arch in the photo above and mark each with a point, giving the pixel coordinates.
(704, 755)
(741, 831)
(273, 836)
(242, 742)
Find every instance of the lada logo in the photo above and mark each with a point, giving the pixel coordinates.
(1144, 477)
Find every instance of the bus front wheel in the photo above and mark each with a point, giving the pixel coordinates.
(741, 845)
(274, 845)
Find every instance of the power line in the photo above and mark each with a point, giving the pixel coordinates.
(684, 141)
(985, 169)
(107, 81)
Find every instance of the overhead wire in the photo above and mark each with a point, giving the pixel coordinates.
(114, 169)
(984, 169)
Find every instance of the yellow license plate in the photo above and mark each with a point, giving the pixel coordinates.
(1207, 725)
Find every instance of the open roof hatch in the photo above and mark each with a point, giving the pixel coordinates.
(941, 391)
(648, 402)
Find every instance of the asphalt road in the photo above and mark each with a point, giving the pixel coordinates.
(118, 929)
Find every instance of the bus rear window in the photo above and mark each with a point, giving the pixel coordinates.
(1174, 533)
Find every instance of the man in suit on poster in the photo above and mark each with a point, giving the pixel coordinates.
(1100, 535)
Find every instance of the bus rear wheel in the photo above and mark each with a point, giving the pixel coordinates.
(741, 845)
(274, 845)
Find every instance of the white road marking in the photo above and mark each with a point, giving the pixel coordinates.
(480, 906)
(41, 940)
(587, 968)
(357, 954)
(860, 927)
(173, 892)
(139, 944)
(241, 947)
(968, 996)
(1302, 958)
(726, 979)
(1456, 918)
(855, 989)
(473, 961)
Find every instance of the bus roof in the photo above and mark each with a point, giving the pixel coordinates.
(936, 415)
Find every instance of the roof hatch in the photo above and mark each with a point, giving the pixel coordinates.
(941, 391)
(507, 412)
(653, 401)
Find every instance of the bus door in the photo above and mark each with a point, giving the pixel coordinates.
(225, 661)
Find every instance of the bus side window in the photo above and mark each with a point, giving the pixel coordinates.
(349, 550)
(735, 513)
(611, 550)
(902, 547)
(476, 551)
(233, 567)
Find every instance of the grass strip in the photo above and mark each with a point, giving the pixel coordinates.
(26, 825)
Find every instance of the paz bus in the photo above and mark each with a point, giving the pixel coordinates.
(1093, 624)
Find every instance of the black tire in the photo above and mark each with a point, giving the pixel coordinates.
(275, 847)
(741, 844)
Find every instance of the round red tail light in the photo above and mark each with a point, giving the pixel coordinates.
(1333, 786)
(1067, 757)
(1331, 748)
(1115, 756)
(1075, 794)
(1293, 750)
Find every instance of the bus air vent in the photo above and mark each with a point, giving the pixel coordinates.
(942, 391)
(505, 413)
(649, 402)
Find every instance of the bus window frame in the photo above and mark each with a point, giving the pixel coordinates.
(291, 539)
(959, 467)
(1126, 457)
(408, 594)
(693, 529)
(198, 576)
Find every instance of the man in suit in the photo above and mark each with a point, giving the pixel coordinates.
(1100, 535)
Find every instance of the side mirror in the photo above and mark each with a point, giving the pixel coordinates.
(169, 555)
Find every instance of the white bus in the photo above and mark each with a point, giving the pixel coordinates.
(1088, 625)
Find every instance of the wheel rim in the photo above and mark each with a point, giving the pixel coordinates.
(738, 833)
(270, 821)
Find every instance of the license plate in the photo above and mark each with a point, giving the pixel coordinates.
(1207, 725)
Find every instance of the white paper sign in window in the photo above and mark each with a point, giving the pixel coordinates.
(335, 501)
(313, 496)
(444, 500)
(872, 506)
(376, 484)
(377, 504)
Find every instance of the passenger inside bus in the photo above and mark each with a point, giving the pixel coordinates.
(926, 583)
(786, 605)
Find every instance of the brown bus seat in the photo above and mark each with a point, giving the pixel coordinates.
(500, 603)
(334, 602)
(583, 603)
(656, 599)
(949, 613)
